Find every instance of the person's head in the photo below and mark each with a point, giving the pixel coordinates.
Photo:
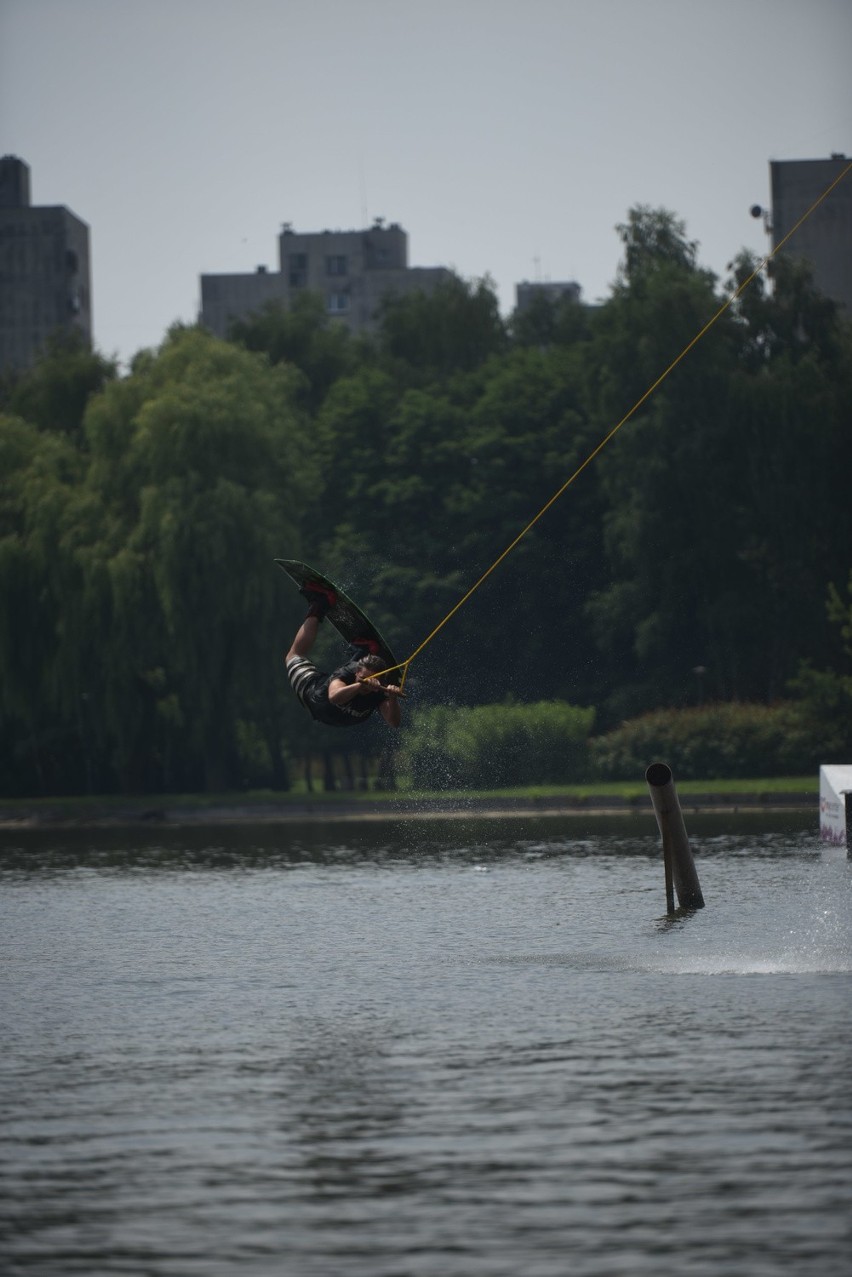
(370, 665)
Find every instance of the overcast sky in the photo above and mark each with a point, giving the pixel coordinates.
(508, 137)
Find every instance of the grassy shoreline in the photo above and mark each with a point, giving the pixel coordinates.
(795, 791)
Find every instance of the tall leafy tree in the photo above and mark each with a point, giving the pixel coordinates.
(431, 336)
(550, 321)
(53, 394)
(789, 420)
(717, 487)
(391, 461)
(528, 434)
(306, 338)
(665, 515)
(431, 484)
(39, 477)
(199, 462)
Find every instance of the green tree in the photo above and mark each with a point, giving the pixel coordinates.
(393, 463)
(39, 474)
(663, 526)
(788, 417)
(825, 695)
(528, 434)
(199, 465)
(430, 485)
(655, 243)
(725, 509)
(53, 394)
(304, 336)
(454, 328)
(791, 320)
(550, 321)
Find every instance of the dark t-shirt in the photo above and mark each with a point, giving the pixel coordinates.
(357, 711)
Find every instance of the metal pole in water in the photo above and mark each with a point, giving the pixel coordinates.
(677, 855)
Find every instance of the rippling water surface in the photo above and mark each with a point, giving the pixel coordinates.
(459, 1048)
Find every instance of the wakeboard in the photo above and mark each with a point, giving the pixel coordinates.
(346, 617)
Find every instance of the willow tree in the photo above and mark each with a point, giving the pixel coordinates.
(199, 463)
(54, 392)
(39, 482)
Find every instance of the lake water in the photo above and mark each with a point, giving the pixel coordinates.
(463, 1048)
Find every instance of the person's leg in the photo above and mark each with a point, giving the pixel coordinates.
(320, 599)
(301, 671)
(306, 636)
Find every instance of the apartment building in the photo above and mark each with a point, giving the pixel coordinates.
(553, 290)
(352, 271)
(45, 282)
(825, 238)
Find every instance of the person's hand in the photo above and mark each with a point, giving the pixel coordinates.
(373, 685)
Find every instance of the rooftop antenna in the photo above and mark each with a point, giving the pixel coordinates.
(365, 220)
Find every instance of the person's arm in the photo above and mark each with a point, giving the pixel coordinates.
(391, 710)
(340, 693)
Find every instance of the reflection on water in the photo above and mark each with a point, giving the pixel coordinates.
(444, 1048)
(394, 842)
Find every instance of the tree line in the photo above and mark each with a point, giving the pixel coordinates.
(703, 556)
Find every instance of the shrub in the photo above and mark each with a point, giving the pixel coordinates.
(711, 742)
(825, 708)
(497, 745)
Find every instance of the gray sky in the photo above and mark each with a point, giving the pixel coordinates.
(508, 137)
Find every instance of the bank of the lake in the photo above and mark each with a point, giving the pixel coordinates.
(799, 793)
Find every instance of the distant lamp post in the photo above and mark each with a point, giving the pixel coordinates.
(757, 210)
(699, 671)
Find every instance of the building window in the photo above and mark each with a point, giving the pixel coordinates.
(336, 264)
(297, 264)
(338, 303)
